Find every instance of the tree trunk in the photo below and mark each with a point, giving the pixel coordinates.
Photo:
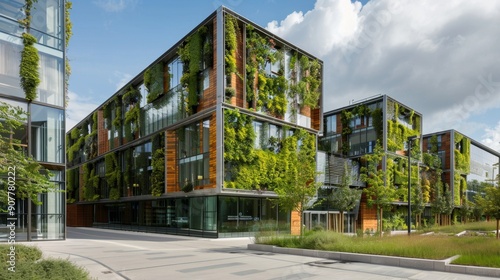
(497, 227)
(341, 225)
(381, 223)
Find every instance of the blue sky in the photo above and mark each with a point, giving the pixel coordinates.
(434, 56)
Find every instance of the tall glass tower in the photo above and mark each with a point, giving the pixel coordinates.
(42, 136)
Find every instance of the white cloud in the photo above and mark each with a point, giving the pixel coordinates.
(438, 57)
(78, 108)
(114, 5)
(123, 79)
(491, 137)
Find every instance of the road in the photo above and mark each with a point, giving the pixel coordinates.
(111, 254)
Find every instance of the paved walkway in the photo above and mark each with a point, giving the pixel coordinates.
(110, 254)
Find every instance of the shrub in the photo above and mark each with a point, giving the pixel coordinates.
(29, 266)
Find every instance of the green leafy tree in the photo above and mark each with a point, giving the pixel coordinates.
(21, 176)
(490, 202)
(297, 186)
(344, 198)
(443, 202)
(378, 193)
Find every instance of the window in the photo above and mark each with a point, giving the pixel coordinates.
(9, 69)
(175, 68)
(193, 154)
(47, 134)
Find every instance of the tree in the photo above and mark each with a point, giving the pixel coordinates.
(442, 203)
(378, 193)
(297, 186)
(344, 198)
(21, 176)
(490, 202)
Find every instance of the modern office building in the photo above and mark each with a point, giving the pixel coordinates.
(352, 132)
(194, 143)
(467, 165)
(447, 168)
(42, 135)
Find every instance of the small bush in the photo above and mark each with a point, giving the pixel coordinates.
(61, 269)
(23, 253)
(28, 265)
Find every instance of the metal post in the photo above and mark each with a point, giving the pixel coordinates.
(410, 139)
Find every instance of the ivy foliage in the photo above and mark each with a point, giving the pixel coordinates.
(132, 98)
(191, 55)
(28, 70)
(258, 49)
(75, 144)
(272, 93)
(158, 165)
(462, 153)
(90, 182)
(72, 185)
(230, 44)
(113, 175)
(30, 177)
(398, 133)
(239, 137)
(286, 165)
(68, 5)
(153, 81)
(307, 86)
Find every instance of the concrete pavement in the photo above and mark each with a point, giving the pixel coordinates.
(110, 254)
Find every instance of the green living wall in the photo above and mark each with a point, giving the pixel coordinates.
(247, 167)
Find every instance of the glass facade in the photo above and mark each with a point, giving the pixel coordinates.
(483, 166)
(193, 154)
(171, 146)
(42, 136)
(197, 216)
(360, 141)
(47, 134)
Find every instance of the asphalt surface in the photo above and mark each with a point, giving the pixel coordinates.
(112, 254)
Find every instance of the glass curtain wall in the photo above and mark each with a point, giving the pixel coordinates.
(193, 155)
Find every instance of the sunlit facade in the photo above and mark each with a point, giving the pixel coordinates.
(468, 166)
(351, 132)
(43, 134)
(156, 155)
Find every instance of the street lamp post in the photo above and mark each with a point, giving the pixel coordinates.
(410, 139)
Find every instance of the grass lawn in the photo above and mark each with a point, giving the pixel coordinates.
(473, 250)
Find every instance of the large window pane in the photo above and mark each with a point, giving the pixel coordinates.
(47, 134)
(51, 85)
(9, 69)
(46, 22)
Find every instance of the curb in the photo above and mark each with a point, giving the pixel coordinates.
(436, 265)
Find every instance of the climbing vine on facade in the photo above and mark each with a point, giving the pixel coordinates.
(153, 81)
(113, 175)
(192, 55)
(158, 165)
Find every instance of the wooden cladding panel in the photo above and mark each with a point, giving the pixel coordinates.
(80, 215)
(316, 119)
(102, 134)
(448, 148)
(209, 98)
(171, 162)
